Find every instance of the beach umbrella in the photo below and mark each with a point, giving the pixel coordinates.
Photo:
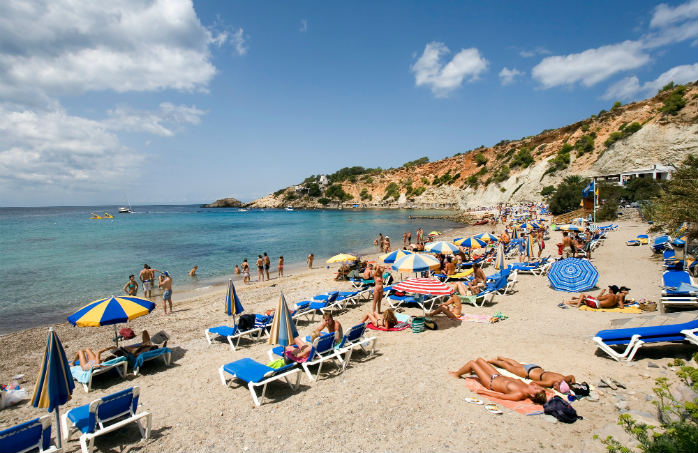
(434, 233)
(232, 301)
(283, 329)
(111, 310)
(427, 286)
(514, 233)
(529, 226)
(679, 242)
(54, 385)
(471, 242)
(573, 275)
(416, 262)
(569, 228)
(447, 248)
(487, 237)
(341, 258)
(529, 247)
(499, 263)
(394, 256)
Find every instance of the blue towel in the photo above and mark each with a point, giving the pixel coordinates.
(137, 362)
(83, 376)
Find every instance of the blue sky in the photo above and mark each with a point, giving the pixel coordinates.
(181, 102)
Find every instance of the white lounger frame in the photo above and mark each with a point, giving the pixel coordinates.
(236, 336)
(120, 368)
(87, 439)
(274, 377)
(635, 343)
(165, 358)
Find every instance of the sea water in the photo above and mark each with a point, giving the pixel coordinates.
(54, 260)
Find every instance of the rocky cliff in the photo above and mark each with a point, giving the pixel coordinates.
(224, 203)
(632, 136)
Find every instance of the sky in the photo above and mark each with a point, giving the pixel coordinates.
(174, 101)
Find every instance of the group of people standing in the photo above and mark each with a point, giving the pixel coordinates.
(147, 278)
(383, 242)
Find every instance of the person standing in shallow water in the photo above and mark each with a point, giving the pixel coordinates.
(310, 259)
(131, 286)
(281, 267)
(267, 265)
(260, 268)
(166, 285)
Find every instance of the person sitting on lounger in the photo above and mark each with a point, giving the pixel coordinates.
(479, 278)
(387, 320)
(143, 346)
(502, 387)
(88, 359)
(455, 301)
(603, 300)
(332, 326)
(535, 373)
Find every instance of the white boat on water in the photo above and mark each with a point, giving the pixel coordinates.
(125, 210)
(242, 210)
(289, 208)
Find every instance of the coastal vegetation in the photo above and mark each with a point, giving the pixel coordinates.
(567, 195)
(414, 163)
(675, 101)
(624, 131)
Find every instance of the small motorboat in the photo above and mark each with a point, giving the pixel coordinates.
(289, 208)
(242, 210)
(108, 216)
(125, 210)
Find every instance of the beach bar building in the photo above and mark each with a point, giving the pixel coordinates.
(656, 172)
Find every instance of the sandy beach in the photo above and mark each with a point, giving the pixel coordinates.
(401, 399)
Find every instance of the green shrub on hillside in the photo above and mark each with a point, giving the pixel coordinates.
(364, 195)
(392, 190)
(522, 158)
(585, 144)
(567, 195)
(561, 160)
(502, 174)
(625, 130)
(480, 159)
(667, 87)
(418, 191)
(616, 105)
(290, 196)
(335, 191)
(425, 180)
(547, 190)
(279, 192)
(413, 163)
(348, 172)
(324, 201)
(675, 101)
(471, 181)
(313, 189)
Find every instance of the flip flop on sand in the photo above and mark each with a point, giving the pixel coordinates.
(492, 408)
(473, 401)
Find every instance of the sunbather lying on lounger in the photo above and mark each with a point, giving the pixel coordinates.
(535, 373)
(445, 308)
(299, 349)
(386, 320)
(502, 387)
(88, 359)
(603, 300)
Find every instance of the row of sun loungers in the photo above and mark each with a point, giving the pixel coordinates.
(632, 339)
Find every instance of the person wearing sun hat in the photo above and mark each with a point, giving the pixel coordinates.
(166, 285)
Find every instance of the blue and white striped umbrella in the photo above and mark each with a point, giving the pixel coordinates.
(471, 243)
(573, 275)
(283, 329)
(416, 262)
(232, 301)
(447, 248)
(391, 257)
(499, 263)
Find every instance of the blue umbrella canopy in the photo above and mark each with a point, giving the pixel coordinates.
(499, 263)
(283, 329)
(416, 262)
(573, 275)
(471, 242)
(111, 310)
(394, 256)
(232, 301)
(54, 386)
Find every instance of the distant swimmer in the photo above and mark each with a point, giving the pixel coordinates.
(192, 272)
(131, 286)
(166, 285)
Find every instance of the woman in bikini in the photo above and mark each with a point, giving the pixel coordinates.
(386, 321)
(537, 374)
(603, 300)
(498, 386)
(88, 359)
(445, 308)
(377, 289)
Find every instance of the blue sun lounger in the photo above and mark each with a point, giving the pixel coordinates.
(234, 333)
(321, 351)
(633, 338)
(258, 375)
(29, 436)
(105, 415)
(679, 289)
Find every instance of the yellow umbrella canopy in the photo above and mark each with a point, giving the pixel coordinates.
(341, 258)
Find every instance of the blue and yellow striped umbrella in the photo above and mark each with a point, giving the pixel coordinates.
(54, 385)
(515, 233)
(447, 248)
(283, 329)
(471, 242)
(394, 256)
(416, 262)
(111, 310)
(529, 226)
(499, 263)
(232, 301)
(568, 228)
(529, 247)
(487, 237)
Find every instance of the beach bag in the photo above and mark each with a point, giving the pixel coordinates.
(418, 324)
(430, 324)
(561, 410)
(580, 389)
(127, 333)
(246, 322)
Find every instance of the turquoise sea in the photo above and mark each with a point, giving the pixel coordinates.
(55, 259)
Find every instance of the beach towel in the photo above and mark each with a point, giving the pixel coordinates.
(475, 318)
(83, 376)
(402, 317)
(524, 407)
(629, 310)
(398, 327)
(137, 361)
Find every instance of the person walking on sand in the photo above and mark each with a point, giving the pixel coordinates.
(281, 267)
(404, 238)
(245, 272)
(192, 272)
(131, 286)
(147, 276)
(166, 285)
(310, 259)
(260, 268)
(267, 265)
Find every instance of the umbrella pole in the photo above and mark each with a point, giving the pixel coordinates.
(116, 337)
(58, 429)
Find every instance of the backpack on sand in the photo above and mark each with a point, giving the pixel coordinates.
(561, 410)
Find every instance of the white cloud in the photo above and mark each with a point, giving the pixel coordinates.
(630, 88)
(527, 53)
(507, 75)
(158, 122)
(442, 78)
(591, 66)
(304, 26)
(664, 15)
(53, 148)
(65, 47)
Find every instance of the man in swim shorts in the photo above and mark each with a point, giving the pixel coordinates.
(537, 374)
(498, 386)
(603, 300)
(267, 264)
(166, 285)
(260, 268)
(147, 275)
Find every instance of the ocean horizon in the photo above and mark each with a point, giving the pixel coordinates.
(56, 259)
